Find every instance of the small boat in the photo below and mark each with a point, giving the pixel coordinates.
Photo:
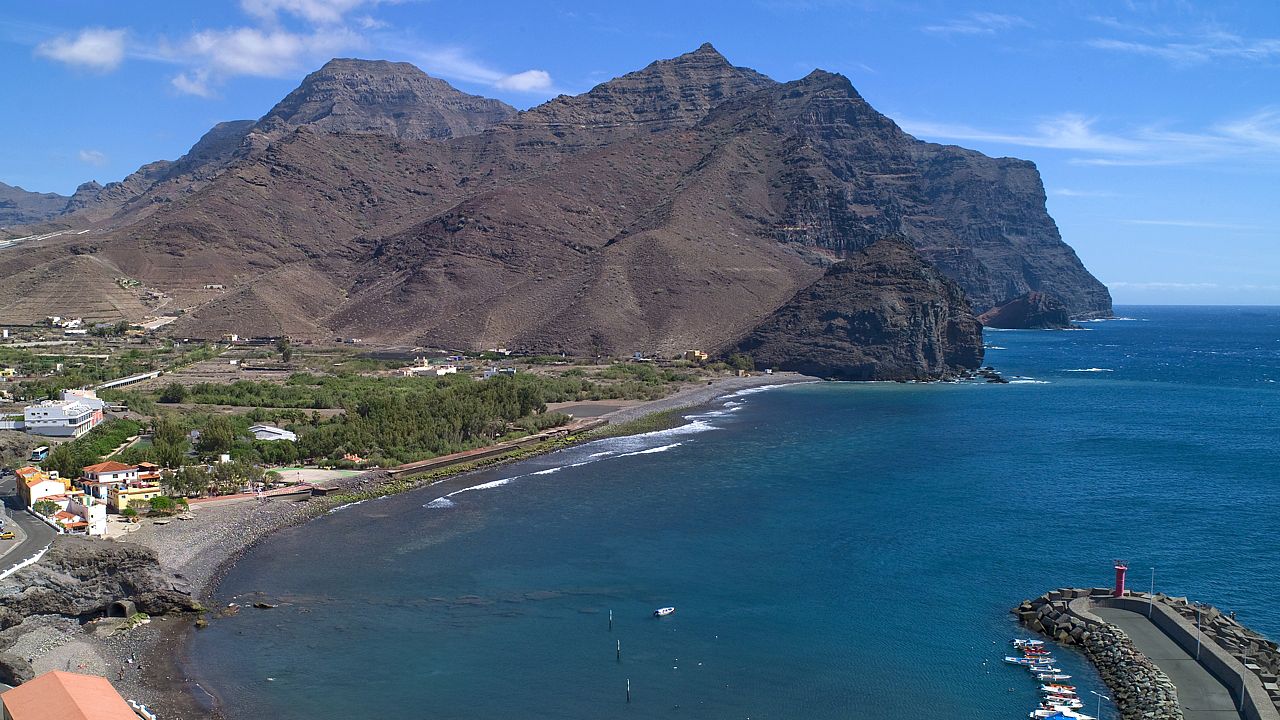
(1019, 642)
(1029, 662)
(663, 612)
(1056, 687)
(1051, 676)
(1059, 715)
(1042, 673)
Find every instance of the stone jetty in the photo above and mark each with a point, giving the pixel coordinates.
(1139, 689)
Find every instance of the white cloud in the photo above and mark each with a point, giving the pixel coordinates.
(320, 12)
(527, 81)
(455, 64)
(93, 157)
(99, 49)
(194, 82)
(978, 23)
(265, 53)
(1251, 140)
(1068, 192)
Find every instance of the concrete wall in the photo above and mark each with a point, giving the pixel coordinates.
(1230, 671)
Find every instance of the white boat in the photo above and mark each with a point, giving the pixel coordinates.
(1029, 662)
(663, 612)
(1042, 676)
(1040, 713)
(1039, 672)
(1019, 642)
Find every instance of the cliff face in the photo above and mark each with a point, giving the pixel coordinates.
(1033, 311)
(21, 207)
(882, 314)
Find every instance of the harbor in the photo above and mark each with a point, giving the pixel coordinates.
(1162, 657)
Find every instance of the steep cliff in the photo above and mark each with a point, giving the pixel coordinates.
(882, 314)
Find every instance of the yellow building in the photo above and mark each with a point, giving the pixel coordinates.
(137, 497)
(695, 355)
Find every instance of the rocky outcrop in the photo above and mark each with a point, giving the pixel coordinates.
(1032, 311)
(883, 314)
(81, 578)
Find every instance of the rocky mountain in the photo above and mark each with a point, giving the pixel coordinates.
(348, 96)
(882, 314)
(1032, 311)
(21, 207)
(679, 206)
(381, 98)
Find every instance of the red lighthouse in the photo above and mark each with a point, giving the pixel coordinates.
(1120, 570)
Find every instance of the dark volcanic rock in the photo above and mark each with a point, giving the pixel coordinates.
(1033, 311)
(882, 314)
(80, 578)
(20, 207)
(382, 98)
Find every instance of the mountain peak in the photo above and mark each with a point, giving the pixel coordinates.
(379, 97)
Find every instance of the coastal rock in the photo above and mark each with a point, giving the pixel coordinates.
(883, 314)
(1031, 311)
(14, 670)
(81, 578)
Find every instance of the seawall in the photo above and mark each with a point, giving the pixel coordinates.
(1242, 660)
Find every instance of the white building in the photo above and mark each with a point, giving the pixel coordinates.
(61, 418)
(268, 432)
(84, 397)
(90, 511)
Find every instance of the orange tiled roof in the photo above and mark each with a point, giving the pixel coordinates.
(109, 466)
(61, 695)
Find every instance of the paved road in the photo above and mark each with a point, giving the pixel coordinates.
(33, 535)
(1201, 695)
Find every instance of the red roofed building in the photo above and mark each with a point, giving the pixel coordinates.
(111, 471)
(61, 695)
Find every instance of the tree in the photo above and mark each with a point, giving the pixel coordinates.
(165, 505)
(285, 349)
(46, 507)
(169, 442)
(174, 392)
(66, 461)
(739, 361)
(219, 435)
(129, 513)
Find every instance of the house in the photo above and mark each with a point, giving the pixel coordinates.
(695, 355)
(90, 515)
(63, 418)
(494, 372)
(59, 695)
(111, 471)
(87, 398)
(138, 497)
(270, 433)
(148, 473)
(35, 485)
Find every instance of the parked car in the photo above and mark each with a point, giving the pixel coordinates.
(7, 535)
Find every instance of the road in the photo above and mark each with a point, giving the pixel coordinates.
(33, 535)
(1201, 695)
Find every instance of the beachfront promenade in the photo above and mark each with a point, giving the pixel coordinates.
(1201, 695)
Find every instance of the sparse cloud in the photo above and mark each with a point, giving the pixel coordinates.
(978, 23)
(1197, 224)
(193, 82)
(100, 49)
(265, 53)
(1254, 139)
(1069, 192)
(93, 157)
(318, 12)
(1195, 51)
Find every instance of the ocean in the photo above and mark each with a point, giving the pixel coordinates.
(833, 550)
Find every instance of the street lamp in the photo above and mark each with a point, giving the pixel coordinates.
(1101, 697)
(1152, 600)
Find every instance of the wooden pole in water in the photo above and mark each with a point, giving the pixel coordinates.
(628, 691)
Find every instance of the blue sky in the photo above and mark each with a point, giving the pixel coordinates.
(1156, 125)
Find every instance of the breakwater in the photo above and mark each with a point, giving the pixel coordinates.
(1242, 660)
(1139, 689)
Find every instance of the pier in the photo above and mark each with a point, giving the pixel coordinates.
(1163, 657)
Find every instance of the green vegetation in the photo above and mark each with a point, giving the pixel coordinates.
(174, 392)
(46, 507)
(70, 458)
(167, 505)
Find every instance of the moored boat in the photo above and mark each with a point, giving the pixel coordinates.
(663, 612)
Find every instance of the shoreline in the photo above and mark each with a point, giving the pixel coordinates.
(201, 551)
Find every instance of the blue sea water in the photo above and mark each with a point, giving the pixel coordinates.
(833, 550)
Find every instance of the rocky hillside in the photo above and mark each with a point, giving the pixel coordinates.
(677, 206)
(882, 314)
(20, 207)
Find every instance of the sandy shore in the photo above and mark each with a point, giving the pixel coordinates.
(199, 550)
